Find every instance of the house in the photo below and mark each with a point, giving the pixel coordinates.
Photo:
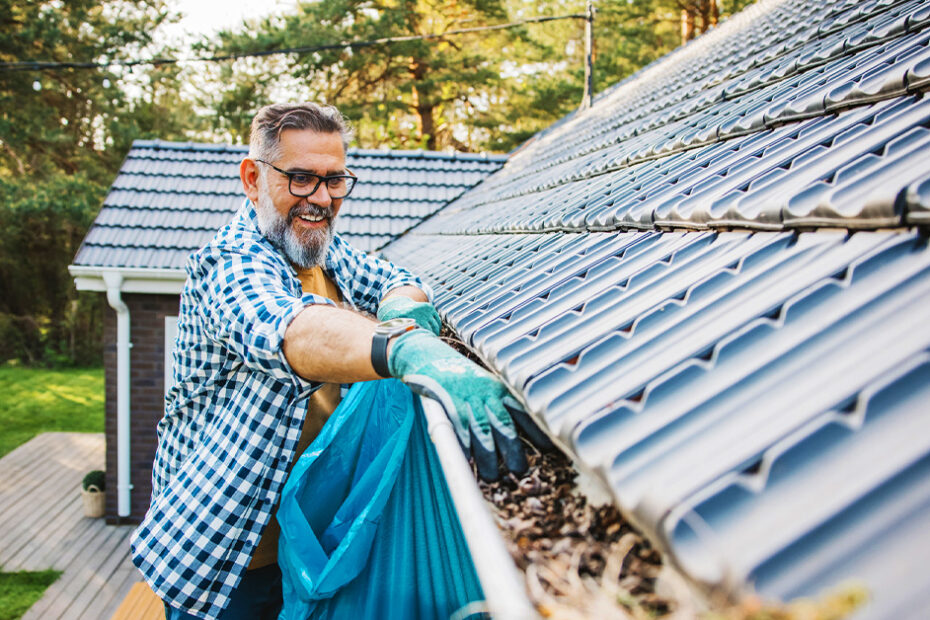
(166, 202)
(712, 288)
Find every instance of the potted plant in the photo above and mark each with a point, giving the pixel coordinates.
(92, 492)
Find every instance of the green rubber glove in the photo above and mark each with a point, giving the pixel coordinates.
(400, 307)
(475, 400)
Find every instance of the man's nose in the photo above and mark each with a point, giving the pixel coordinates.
(321, 196)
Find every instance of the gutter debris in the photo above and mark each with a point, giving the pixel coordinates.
(583, 561)
(579, 560)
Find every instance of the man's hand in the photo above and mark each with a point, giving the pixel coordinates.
(476, 401)
(399, 306)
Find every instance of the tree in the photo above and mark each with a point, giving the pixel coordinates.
(483, 91)
(699, 16)
(64, 131)
(63, 134)
(405, 94)
(628, 34)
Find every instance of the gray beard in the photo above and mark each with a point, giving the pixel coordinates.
(303, 251)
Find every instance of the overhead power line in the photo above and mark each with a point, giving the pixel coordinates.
(35, 65)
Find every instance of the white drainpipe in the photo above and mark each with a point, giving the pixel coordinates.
(114, 281)
(503, 587)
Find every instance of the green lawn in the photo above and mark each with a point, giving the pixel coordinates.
(18, 591)
(34, 401)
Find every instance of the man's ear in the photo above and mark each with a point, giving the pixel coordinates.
(248, 172)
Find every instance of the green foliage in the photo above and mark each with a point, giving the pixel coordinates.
(34, 401)
(70, 120)
(95, 478)
(20, 590)
(42, 317)
(480, 91)
(63, 135)
(628, 35)
(408, 94)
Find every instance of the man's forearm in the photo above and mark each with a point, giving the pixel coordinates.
(330, 344)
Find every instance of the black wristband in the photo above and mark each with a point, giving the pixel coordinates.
(379, 360)
(379, 342)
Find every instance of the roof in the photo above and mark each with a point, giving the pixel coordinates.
(170, 198)
(712, 288)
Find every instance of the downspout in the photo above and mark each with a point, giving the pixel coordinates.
(114, 281)
(503, 588)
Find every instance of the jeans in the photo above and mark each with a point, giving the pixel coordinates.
(258, 597)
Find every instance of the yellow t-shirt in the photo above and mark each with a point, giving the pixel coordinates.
(322, 404)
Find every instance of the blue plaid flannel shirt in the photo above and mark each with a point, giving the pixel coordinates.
(235, 413)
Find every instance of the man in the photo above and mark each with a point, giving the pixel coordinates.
(272, 322)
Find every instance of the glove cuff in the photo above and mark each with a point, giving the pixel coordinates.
(392, 306)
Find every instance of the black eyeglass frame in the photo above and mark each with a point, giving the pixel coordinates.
(319, 180)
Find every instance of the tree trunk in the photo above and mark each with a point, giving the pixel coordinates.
(709, 14)
(687, 26)
(691, 26)
(427, 126)
(422, 103)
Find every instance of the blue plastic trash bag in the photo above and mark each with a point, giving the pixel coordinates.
(368, 529)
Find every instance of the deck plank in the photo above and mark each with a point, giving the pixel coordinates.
(17, 462)
(123, 580)
(42, 526)
(74, 576)
(58, 514)
(96, 583)
(52, 483)
(20, 464)
(66, 534)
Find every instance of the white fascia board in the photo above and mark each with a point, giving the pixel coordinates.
(135, 279)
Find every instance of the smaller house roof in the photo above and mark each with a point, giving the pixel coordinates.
(169, 198)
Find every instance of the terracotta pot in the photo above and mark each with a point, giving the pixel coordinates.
(94, 501)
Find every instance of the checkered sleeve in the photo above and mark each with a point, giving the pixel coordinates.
(369, 277)
(248, 306)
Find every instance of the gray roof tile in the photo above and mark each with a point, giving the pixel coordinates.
(755, 398)
(169, 198)
(917, 199)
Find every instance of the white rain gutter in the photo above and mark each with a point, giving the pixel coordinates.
(114, 281)
(504, 590)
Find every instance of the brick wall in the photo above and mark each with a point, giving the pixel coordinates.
(147, 397)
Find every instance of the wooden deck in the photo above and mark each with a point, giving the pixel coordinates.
(42, 526)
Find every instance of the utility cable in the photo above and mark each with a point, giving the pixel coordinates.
(34, 65)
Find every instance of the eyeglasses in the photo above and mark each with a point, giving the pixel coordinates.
(302, 184)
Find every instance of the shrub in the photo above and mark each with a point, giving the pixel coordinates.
(95, 478)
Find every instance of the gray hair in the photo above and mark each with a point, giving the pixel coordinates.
(272, 120)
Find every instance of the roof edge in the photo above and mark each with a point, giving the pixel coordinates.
(385, 153)
(134, 279)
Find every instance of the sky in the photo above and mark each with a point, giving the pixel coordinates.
(204, 17)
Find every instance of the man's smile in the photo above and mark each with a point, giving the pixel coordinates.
(310, 216)
(312, 221)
